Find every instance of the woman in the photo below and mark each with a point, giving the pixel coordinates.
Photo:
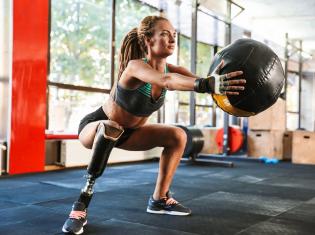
(143, 79)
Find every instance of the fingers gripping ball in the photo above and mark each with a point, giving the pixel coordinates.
(262, 71)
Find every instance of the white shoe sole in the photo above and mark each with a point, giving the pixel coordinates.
(164, 212)
(79, 232)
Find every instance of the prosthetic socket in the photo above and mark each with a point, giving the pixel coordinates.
(104, 141)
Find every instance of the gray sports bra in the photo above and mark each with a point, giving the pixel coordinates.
(139, 102)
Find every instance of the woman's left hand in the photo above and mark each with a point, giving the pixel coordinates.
(225, 84)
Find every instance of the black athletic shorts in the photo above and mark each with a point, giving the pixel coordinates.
(100, 115)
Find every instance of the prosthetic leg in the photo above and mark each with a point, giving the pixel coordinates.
(104, 141)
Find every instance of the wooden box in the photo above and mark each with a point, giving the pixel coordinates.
(210, 146)
(303, 147)
(274, 118)
(265, 144)
(287, 145)
(52, 152)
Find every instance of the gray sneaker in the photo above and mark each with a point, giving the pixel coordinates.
(167, 205)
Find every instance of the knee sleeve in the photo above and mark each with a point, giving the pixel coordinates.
(104, 141)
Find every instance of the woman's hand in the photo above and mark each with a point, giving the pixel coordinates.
(225, 84)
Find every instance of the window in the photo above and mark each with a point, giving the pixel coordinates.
(203, 101)
(79, 43)
(80, 61)
(292, 101)
(68, 107)
(183, 96)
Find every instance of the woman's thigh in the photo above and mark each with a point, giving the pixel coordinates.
(154, 135)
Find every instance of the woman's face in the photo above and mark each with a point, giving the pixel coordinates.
(163, 42)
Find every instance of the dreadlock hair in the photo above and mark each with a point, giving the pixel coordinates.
(133, 45)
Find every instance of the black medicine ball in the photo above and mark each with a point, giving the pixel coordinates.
(262, 70)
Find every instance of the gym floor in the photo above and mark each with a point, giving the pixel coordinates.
(250, 198)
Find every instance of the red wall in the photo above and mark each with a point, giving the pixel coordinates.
(29, 79)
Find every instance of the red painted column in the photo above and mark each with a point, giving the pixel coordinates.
(29, 79)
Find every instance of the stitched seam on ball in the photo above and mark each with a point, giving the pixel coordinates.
(250, 53)
(266, 72)
(271, 66)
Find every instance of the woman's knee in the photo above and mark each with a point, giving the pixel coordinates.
(179, 138)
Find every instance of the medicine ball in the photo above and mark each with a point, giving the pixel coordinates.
(262, 70)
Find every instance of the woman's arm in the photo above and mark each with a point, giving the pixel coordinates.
(171, 81)
(181, 70)
(186, 81)
(215, 83)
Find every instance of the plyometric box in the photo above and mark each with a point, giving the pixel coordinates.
(72, 154)
(265, 144)
(274, 118)
(210, 145)
(287, 145)
(303, 147)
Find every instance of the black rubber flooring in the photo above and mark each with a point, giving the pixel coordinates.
(250, 198)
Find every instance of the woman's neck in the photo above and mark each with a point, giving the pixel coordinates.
(157, 63)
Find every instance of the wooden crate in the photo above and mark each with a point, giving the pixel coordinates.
(274, 118)
(52, 151)
(287, 145)
(265, 143)
(303, 147)
(210, 146)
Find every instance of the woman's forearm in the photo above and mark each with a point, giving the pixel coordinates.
(180, 82)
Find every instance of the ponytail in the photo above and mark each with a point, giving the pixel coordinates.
(130, 49)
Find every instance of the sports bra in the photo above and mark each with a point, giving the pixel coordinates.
(139, 101)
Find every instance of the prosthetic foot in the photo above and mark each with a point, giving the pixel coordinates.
(105, 139)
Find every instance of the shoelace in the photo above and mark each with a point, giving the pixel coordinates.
(77, 214)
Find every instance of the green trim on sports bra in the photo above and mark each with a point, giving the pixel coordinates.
(146, 88)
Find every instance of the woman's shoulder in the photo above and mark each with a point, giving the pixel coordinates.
(172, 68)
(136, 62)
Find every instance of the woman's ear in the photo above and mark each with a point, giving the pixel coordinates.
(147, 39)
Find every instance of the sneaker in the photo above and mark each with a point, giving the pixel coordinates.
(167, 205)
(77, 219)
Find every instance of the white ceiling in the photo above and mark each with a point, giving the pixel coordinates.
(273, 18)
